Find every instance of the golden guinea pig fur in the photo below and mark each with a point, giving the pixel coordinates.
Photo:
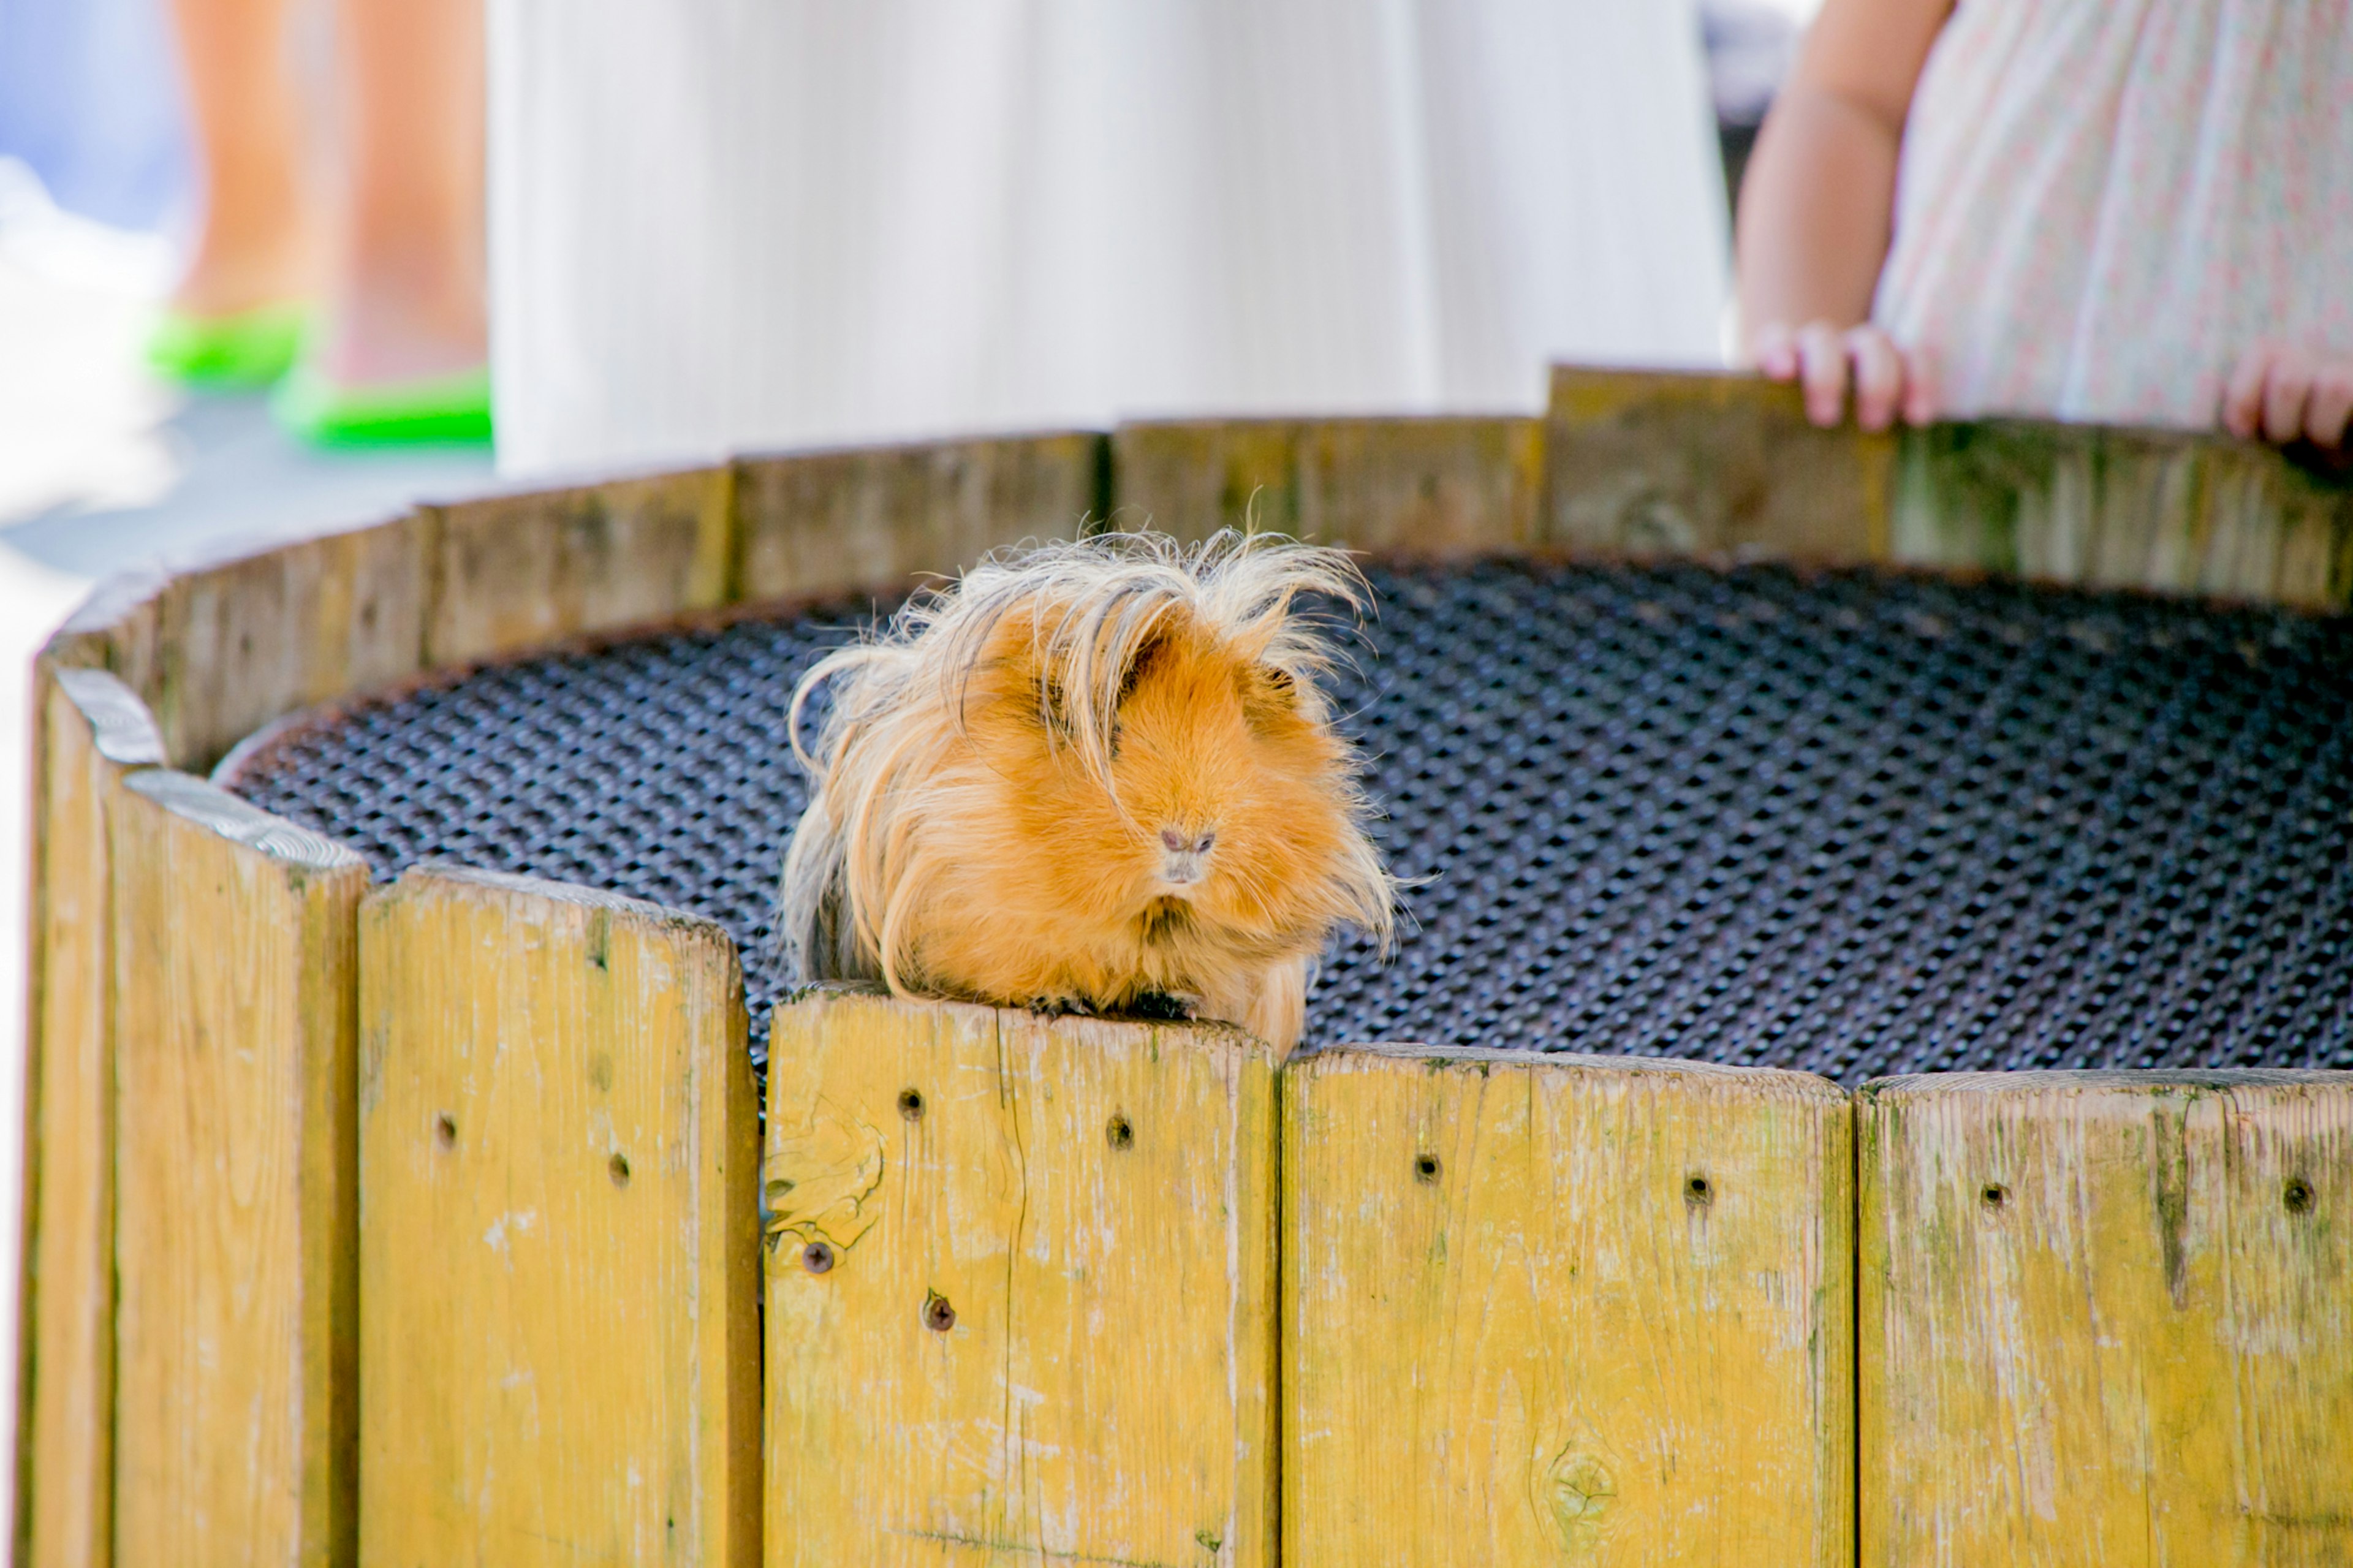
(1095, 777)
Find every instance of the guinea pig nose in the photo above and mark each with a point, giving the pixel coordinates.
(1179, 844)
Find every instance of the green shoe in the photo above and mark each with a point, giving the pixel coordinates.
(220, 353)
(439, 409)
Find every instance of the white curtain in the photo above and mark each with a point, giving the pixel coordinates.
(747, 223)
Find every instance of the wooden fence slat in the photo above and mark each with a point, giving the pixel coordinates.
(512, 572)
(1425, 487)
(1026, 1315)
(233, 1242)
(249, 640)
(1548, 1309)
(2171, 510)
(559, 1357)
(92, 730)
(116, 630)
(1647, 464)
(2106, 1318)
(834, 523)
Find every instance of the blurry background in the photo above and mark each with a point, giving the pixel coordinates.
(103, 467)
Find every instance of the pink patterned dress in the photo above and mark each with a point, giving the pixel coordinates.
(2102, 204)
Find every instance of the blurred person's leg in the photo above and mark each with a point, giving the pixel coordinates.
(402, 351)
(235, 313)
(404, 258)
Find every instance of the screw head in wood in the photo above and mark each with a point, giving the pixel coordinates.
(938, 1315)
(817, 1257)
(2297, 1196)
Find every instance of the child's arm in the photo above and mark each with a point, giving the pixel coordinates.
(1817, 205)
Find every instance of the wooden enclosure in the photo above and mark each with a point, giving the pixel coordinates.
(420, 1223)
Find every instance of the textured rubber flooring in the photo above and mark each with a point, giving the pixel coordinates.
(1852, 823)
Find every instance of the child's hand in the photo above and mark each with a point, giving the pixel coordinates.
(1823, 358)
(2281, 394)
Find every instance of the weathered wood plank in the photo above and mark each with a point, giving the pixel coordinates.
(90, 731)
(249, 640)
(1547, 1308)
(233, 1243)
(1645, 464)
(1020, 1277)
(560, 1230)
(115, 629)
(873, 518)
(2107, 1318)
(1435, 488)
(2171, 510)
(515, 571)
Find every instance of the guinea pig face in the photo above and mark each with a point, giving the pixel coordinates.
(1228, 808)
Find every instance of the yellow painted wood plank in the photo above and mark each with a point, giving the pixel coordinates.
(1551, 1308)
(559, 1230)
(514, 572)
(2107, 1318)
(90, 731)
(873, 518)
(1020, 1277)
(1426, 487)
(249, 640)
(1657, 463)
(115, 630)
(233, 1242)
(2174, 511)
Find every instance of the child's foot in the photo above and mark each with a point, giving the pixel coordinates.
(245, 348)
(401, 366)
(440, 409)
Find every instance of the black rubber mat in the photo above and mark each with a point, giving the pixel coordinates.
(1854, 823)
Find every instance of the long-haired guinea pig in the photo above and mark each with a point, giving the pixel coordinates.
(1095, 776)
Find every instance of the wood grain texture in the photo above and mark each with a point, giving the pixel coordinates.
(515, 571)
(116, 630)
(234, 1219)
(873, 518)
(1038, 1327)
(1432, 488)
(1651, 463)
(2124, 509)
(2107, 1318)
(90, 730)
(1516, 1331)
(559, 1230)
(249, 640)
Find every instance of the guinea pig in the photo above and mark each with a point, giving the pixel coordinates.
(1095, 776)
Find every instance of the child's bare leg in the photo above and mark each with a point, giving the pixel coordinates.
(405, 262)
(254, 246)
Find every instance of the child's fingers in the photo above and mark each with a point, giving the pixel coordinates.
(1775, 351)
(2242, 397)
(1878, 377)
(2286, 392)
(1821, 354)
(2331, 408)
(1920, 386)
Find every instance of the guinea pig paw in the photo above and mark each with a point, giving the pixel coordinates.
(1162, 1007)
